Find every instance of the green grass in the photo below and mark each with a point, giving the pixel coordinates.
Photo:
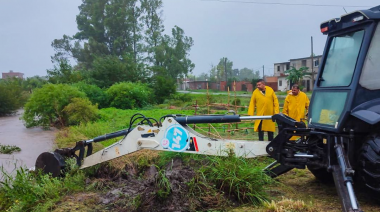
(239, 177)
(29, 191)
(9, 149)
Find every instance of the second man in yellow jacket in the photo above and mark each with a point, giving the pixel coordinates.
(296, 102)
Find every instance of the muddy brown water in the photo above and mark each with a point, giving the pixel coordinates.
(32, 141)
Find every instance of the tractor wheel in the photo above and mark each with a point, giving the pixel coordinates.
(369, 163)
(321, 174)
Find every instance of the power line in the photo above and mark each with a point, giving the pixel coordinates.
(286, 4)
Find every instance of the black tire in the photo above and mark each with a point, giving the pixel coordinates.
(369, 163)
(321, 174)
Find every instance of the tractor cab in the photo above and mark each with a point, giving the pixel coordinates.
(347, 88)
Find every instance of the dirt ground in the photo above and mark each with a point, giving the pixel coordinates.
(134, 190)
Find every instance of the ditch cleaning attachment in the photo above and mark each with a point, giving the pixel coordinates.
(172, 133)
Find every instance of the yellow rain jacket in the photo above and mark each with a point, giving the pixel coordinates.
(265, 105)
(294, 106)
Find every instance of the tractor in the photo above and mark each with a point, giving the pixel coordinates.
(340, 143)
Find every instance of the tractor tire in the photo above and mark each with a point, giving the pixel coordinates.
(321, 174)
(369, 164)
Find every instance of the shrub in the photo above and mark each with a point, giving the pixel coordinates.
(127, 95)
(182, 97)
(12, 96)
(163, 85)
(95, 94)
(45, 106)
(80, 111)
(236, 102)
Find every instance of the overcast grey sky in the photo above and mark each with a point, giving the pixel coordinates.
(249, 34)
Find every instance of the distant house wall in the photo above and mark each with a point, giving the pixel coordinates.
(279, 69)
(12, 74)
(271, 82)
(283, 84)
(239, 86)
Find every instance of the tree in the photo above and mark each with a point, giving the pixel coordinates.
(162, 84)
(63, 72)
(122, 40)
(32, 83)
(203, 77)
(246, 74)
(295, 75)
(152, 12)
(11, 96)
(111, 69)
(105, 28)
(224, 72)
(214, 77)
(172, 53)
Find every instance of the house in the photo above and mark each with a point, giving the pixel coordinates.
(272, 82)
(12, 74)
(280, 68)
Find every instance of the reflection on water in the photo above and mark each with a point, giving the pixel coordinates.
(32, 142)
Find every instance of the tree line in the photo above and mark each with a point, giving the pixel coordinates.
(120, 57)
(224, 71)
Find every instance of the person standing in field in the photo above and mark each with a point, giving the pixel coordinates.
(264, 101)
(296, 103)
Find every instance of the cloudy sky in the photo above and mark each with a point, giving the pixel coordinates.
(251, 33)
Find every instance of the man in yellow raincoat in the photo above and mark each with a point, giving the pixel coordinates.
(265, 101)
(296, 102)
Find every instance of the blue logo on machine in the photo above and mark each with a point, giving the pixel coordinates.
(176, 138)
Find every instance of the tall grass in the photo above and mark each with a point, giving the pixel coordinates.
(34, 191)
(238, 177)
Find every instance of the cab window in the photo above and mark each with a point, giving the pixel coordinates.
(341, 60)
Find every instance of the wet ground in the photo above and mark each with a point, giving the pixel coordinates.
(32, 141)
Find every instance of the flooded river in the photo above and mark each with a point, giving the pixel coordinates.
(32, 141)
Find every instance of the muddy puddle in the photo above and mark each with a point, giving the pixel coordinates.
(32, 141)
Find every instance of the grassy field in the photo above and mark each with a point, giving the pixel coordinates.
(148, 180)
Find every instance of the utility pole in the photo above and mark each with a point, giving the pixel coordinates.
(263, 73)
(225, 70)
(312, 65)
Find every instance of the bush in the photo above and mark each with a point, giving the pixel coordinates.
(45, 106)
(163, 85)
(236, 102)
(80, 111)
(182, 97)
(95, 94)
(12, 97)
(127, 95)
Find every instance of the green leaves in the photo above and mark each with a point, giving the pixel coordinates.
(120, 40)
(45, 107)
(127, 95)
(12, 96)
(295, 75)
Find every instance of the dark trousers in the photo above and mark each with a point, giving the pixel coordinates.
(261, 133)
